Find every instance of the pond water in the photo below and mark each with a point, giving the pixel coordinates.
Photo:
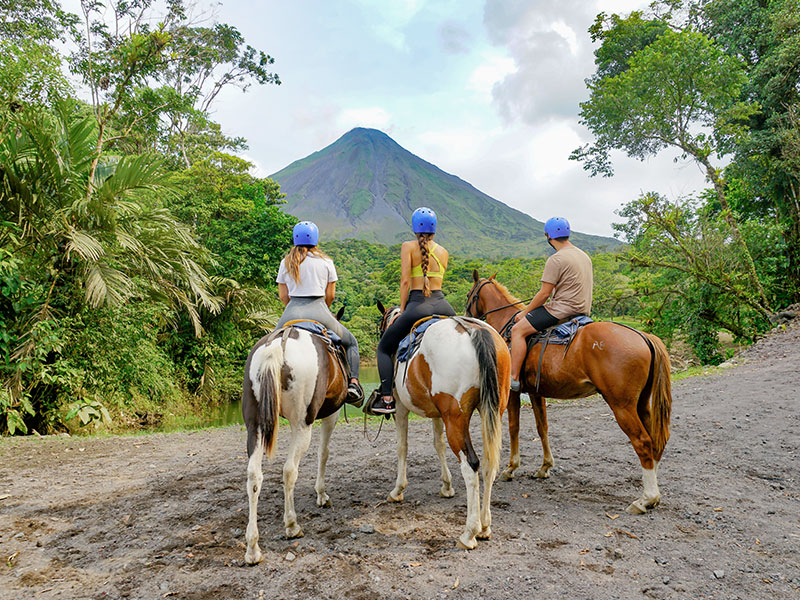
(231, 414)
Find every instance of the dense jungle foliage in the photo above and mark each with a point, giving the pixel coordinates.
(138, 252)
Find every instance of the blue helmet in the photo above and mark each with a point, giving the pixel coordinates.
(557, 227)
(423, 220)
(305, 233)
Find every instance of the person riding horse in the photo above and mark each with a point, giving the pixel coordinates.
(420, 296)
(568, 278)
(306, 286)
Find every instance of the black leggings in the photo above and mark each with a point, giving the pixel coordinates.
(417, 307)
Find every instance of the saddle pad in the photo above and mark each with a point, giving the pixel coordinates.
(315, 327)
(409, 343)
(567, 329)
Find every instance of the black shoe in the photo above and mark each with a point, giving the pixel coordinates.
(382, 407)
(355, 394)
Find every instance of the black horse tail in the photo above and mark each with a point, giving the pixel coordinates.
(269, 395)
(483, 341)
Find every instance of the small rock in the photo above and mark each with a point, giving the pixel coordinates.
(660, 561)
(367, 528)
(290, 556)
(353, 536)
(665, 580)
(719, 574)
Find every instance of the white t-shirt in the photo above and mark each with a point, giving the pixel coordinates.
(315, 275)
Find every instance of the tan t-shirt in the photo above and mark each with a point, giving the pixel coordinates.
(570, 271)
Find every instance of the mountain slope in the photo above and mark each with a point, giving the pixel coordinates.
(365, 186)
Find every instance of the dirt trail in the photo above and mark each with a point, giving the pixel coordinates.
(163, 516)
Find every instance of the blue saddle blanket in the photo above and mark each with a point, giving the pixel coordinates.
(319, 329)
(567, 329)
(409, 343)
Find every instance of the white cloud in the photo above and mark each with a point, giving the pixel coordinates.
(371, 116)
(493, 67)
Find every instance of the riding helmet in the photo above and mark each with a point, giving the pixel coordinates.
(305, 233)
(557, 227)
(423, 220)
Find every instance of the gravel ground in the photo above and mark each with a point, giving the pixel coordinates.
(163, 515)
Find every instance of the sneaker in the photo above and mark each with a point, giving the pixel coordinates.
(355, 394)
(515, 385)
(383, 408)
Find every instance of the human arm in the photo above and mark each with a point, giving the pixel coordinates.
(330, 292)
(405, 274)
(538, 300)
(283, 293)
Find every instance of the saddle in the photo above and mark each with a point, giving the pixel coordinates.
(560, 334)
(332, 340)
(409, 344)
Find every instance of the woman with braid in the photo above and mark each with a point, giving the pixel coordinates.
(422, 266)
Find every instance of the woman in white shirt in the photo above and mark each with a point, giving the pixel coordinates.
(307, 285)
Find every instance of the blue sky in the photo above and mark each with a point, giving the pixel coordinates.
(487, 90)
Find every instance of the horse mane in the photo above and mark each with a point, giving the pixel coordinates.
(510, 298)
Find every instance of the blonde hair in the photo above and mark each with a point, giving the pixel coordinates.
(422, 240)
(297, 255)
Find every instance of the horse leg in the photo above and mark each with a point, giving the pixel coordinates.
(401, 420)
(488, 474)
(629, 422)
(513, 434)
(254, 478)
(301, 438)
(446, 490)
(328, 423)
(457, 427)
(539, 405)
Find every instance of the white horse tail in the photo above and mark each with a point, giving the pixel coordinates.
(269, 395)
(489, 403)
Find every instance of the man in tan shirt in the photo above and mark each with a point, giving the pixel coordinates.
(567, 280)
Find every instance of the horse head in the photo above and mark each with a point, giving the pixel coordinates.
(388, 315)
(476, 307)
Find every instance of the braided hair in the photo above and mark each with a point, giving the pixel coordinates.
(422, 240)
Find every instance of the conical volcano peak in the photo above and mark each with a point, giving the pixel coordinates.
(365, 186)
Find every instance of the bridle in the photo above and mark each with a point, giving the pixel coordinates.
(472, 302)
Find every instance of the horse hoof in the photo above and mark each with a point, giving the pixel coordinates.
(506, 475)
(447, 492)
(470, 545)
(294, 532)
(636, 508)
(486, 534)
(324, 502)
(395, 498)
(542, 474)
(254, 557)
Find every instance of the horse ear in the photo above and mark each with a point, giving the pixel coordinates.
(493, 276)
(381, 308)
(339, 314)
(475, 275)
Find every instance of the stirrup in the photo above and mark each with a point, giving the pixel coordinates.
(355, 394)
(376, 405)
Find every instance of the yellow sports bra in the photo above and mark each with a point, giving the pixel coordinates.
(417, 270)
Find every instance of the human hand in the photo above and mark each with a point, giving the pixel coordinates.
(517, 317)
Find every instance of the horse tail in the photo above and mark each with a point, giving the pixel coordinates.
(661, 395)
(489, 390)
(269, 395)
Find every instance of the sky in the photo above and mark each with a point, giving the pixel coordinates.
(486, 90)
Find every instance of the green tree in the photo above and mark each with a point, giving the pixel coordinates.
(680, 91)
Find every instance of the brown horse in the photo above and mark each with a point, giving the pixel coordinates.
(294, 374)
(460, 365)
(630, 369)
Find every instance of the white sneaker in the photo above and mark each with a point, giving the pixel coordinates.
(515, 385)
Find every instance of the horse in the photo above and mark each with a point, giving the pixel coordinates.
(295, 374)
(629, 368)
(461, 364)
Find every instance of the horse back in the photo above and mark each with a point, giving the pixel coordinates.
(601, 355)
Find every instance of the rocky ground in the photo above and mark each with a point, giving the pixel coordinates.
(163, 515)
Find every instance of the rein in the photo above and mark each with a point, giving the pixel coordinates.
(472, 300)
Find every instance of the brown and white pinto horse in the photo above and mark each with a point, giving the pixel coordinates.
(290, 373)
(461, 365)
(630, 369)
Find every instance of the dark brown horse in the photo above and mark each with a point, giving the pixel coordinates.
(629, 368)
(290, 373)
